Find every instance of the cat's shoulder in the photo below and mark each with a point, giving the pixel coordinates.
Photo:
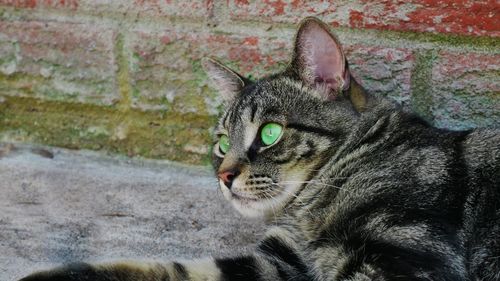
(483, 146)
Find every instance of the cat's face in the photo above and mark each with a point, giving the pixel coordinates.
(269, 143)
(277, 132)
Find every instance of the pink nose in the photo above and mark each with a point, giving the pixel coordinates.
(228, 177)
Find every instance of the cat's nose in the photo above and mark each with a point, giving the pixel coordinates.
(228, 176)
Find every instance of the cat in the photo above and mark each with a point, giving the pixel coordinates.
(355, 187)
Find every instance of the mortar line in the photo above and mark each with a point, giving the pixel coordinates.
(369, 37)
(421, 83)
(122, 74)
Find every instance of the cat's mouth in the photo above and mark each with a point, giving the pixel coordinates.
(256, 201)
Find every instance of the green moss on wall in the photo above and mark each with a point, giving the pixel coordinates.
(164, 135)
(421, 98)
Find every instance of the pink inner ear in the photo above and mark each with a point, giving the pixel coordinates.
(323, 57)
(325, 74)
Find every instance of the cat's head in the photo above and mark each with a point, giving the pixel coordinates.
(278, 131)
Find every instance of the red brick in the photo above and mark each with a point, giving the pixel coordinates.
(162, 8)
(382, 70)
(468, 72)
(60, 61)
(136, 8)
(164, 64)
(466, 89)
(467, 17)
(71, 4)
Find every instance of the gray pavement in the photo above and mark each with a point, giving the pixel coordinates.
(58, 206)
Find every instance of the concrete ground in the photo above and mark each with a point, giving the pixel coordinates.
(58, 206)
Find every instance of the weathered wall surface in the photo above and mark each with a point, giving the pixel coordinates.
(124, 76)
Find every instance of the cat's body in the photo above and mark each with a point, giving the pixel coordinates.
(355, 188)
(399, 195)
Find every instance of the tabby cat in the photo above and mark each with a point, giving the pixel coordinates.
(357, 188)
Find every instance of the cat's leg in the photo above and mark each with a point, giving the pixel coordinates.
(130, 271)
(274, 259)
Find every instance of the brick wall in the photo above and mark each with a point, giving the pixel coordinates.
(124, 76)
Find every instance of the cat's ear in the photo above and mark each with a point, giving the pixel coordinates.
(318, 59)
(226, 81)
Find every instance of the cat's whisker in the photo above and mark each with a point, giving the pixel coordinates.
(266, 193)
(296, 196)
(319, 170)
(313, 182)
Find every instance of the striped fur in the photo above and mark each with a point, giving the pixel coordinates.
(356, 189)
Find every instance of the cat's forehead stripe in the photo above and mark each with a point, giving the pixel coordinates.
(253, 111)
(250, 130)
(222, 125)
(226, 118)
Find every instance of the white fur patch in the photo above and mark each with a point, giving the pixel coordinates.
(202, 270)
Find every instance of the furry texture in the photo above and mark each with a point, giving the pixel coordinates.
(355, 188)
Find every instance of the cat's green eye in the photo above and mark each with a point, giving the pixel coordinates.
(270, 133)
(224, 144)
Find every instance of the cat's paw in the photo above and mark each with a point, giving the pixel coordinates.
(74, 272)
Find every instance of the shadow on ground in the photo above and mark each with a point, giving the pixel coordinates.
(58, 206)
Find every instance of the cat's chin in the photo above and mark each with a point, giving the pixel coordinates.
(253, 207)
(259, 208)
